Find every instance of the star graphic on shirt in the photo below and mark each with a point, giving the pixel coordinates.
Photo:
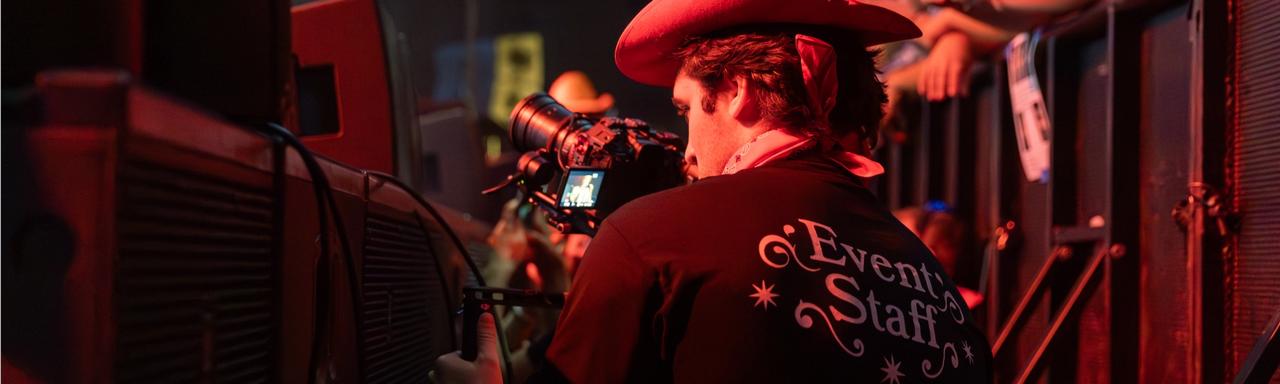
(764, 295)
(968, 352)
(891, 372)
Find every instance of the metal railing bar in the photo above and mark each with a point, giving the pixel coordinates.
(1069, 307)
(1261, 363)
(1028, 299)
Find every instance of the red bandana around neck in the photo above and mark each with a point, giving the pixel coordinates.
(818, 66)
(780, 143)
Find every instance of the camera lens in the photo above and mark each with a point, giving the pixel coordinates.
(539, 121)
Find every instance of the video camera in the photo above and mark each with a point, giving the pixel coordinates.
(579, 169)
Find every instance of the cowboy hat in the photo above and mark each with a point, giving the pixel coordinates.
(644, 52)
(574, 90)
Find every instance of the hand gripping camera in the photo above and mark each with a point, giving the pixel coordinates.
(580, 170)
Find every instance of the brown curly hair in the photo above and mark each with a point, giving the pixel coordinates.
(767, 57)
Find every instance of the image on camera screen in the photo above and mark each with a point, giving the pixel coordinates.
(581, 188)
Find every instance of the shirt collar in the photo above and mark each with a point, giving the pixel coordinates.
(780, 143)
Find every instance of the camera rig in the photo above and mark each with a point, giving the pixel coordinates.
(579, 169)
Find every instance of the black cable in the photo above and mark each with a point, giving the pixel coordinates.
(322, 294)
(324, 196)
(321, 187)
(457, 242)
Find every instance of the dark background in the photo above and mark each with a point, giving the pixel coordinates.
(577, 34)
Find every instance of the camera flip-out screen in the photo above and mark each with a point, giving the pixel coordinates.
(581, 188)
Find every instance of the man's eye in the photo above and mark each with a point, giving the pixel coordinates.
(682, 111)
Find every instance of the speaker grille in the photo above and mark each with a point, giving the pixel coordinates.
(195, 289)
(1255, 290)
(402, 295)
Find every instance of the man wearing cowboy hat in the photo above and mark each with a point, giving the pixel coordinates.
(574, 90)
(779, 265)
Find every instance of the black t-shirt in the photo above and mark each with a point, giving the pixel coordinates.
(791, 272)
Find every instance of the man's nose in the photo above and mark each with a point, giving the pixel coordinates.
(690, 163)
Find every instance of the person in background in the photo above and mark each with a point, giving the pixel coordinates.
(524, 256)
(583, 194)
(575, 91)
(955, 32)
(1040, 6)
(522, 227)
(522, 248)
(530, 254)
(944, 234)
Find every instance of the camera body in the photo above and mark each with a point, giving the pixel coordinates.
(580, 169)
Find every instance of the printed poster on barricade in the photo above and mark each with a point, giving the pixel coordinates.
(1030, 117)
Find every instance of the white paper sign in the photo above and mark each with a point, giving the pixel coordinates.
(1030, 117)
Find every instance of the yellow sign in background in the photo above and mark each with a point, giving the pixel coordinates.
(517, 72)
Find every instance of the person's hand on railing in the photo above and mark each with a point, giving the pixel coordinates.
(945, 73)
(1039, 6)
(959, 4)
(988, 34)
(898, 83)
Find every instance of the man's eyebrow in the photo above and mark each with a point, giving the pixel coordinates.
(677, 102)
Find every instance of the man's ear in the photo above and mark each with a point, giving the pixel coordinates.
(743, 104)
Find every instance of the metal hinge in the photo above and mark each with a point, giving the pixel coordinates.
(1201, 195)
